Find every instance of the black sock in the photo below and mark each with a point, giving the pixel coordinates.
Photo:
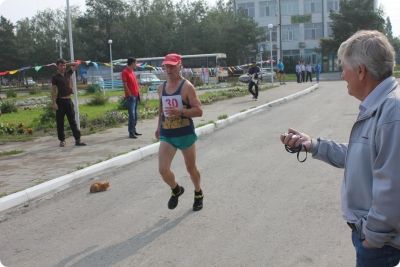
(198, 193)
(177, 189)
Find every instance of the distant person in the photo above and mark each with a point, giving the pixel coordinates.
(303, 72)
(298, 72)
(61, 91)
(281, 72)
(254, 72)
(308, 72)
(370, 192)
(175, 129)
(317, 70)
(132, 96)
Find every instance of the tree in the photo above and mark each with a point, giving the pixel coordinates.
(388, 29)
(8, 52)
(98, 25)
(353, 15)
(235, 34)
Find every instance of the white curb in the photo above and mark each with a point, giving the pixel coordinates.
(25, 196)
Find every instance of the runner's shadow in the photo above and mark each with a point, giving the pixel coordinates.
(111, 255)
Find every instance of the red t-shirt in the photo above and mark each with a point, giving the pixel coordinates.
(129, 77)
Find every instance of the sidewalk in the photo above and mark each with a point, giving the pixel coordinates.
(43, 160)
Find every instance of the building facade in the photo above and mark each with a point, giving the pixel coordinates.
(297, 27)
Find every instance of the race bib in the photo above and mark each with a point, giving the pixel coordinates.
(172, 101)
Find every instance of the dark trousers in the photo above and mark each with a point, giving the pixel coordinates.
(132, 104)
(298, 76)
(66, 107)
(308, 76)
(254, 93)
(385, 256)
(303, 76)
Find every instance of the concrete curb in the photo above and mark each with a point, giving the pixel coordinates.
(25, 196)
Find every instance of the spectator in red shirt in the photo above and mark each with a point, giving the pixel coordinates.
(132, 96)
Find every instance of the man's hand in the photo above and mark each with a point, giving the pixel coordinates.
(54, 107)
(294, 138)
(173, 112)
(366, 244)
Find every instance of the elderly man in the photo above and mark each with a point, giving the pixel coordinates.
(371, 185)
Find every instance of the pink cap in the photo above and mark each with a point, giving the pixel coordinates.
(172, 59)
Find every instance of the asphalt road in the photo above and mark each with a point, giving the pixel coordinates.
(261, 207)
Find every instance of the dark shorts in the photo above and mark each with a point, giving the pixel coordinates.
(281, 71)
(181, 142)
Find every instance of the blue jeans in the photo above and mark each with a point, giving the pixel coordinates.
(386, 256)
(132, 103)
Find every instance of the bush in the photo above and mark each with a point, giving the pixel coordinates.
(93, 88)
(12, 129)
(34, 90)
(47, 119)
(8, 106)
(11, 94)
(121, 103)
(98, 100)
(110, 118)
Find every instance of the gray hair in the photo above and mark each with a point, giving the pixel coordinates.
(371, 49)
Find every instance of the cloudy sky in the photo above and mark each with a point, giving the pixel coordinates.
(12, 10)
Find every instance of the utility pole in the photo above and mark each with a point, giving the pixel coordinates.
(71, 49)
(280, 31)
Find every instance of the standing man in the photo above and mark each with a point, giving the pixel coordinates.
(317, 70)
(309, 72)
(281, 72)
(175, 130)
(303, 72)
(61, 91)
(371, 186)
(132, 96)
(253, 72)
(298, 72)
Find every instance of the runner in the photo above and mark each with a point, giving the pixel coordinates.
(178, 105)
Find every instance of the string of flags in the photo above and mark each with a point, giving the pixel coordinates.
(141, 66)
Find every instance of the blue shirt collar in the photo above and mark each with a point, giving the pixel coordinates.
(379, 92)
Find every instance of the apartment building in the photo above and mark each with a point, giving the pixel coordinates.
(303, 24)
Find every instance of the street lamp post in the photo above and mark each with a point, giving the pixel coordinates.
(111, 63)
(270, 27)
(71, 49)
(58, 41)
(261, 58)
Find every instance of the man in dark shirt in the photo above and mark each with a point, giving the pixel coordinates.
(62, 103)
(253, 72)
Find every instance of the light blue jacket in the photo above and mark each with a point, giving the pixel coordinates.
(371, 160)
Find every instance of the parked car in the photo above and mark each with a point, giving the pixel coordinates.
(96, 80)
(29, 82)
(149, 79)
(266, 75)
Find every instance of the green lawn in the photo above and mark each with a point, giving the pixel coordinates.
(22, 116)
(26, 117)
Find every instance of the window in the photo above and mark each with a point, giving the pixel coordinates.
(289, 7)
(333, 5)
(290, 33)
(247, 9)
(312, 6)
(310, 56)
(312, 31)
(268, 8)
